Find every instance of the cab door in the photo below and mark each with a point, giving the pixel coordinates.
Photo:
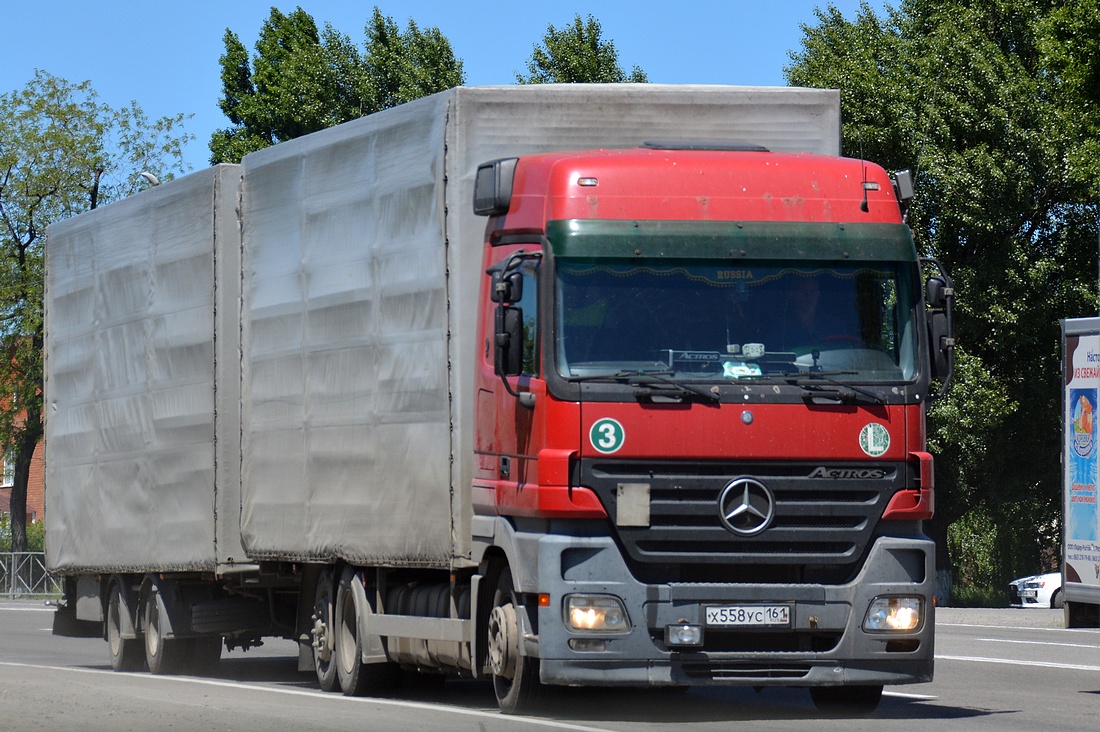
(510, 409)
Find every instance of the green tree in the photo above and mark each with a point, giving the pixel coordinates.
(577, 54)
(301, 80)
(403, 66)
(975, 97)
(1069, 40)
(61, 152)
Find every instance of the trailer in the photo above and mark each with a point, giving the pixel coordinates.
(510, 383)
(1081, 520)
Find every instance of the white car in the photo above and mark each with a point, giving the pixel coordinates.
(1041, 590)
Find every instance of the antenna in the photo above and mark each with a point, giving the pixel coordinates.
(863, 174)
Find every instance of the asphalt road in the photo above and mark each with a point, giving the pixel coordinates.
(995, 670)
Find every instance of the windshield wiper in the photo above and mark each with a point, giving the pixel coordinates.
(837, 390)
(841, 391)
(617, 376)
(660, 380)
(647, 383)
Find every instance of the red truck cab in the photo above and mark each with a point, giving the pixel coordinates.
(700, 412)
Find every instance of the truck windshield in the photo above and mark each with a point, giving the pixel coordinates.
(710, 320)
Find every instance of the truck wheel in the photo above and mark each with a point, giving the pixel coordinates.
(324, 647)
(162, 655)
(126, 653)
(515, 677)
(353, 611)
(858, 701)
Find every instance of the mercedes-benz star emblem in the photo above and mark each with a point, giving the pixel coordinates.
(746, 506)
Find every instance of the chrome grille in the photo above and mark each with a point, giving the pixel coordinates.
(818, 523)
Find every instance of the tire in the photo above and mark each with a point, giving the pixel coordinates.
(126, 653)
(845, 701)
(1057, 601)
(353, 613)
(323, 632)
(515, 677)
(162, 655)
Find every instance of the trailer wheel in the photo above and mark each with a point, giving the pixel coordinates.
(126, 653)
(353, 612)
(515, 677)
(857, 701)
(323, 632)
(162, 655)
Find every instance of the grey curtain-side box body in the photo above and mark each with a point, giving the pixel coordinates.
(275, 361)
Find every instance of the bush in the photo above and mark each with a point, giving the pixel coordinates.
(977, 597)
(994, 544)
(36, 535)
(972, 546)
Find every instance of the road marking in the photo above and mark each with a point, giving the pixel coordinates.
(910, 695)
(29, 609)
(1015, 662)
(1013, 627)
(317, 693)
(1039, 643)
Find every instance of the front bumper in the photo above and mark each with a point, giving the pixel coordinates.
(823, 645)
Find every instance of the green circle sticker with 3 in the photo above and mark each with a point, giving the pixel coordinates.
(607, 435)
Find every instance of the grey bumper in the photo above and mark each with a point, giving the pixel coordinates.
(824, 644)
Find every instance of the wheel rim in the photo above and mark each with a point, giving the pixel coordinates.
(502, 641)
(114, 625)
(322, 625)
(347, 656)
(152, 626)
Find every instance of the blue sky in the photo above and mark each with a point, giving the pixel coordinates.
(165, 55)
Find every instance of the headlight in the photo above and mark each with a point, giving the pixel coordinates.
(599, 613)
(901, 613)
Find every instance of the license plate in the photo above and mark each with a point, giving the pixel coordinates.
(750, 616)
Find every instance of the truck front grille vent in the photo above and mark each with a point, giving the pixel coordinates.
(820, 526)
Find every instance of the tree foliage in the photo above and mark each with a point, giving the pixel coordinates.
(993, 105)
(35, 533)
(61, 152)
(576, 54)
(301, 80)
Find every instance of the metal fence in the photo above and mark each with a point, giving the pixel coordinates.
(24, 573)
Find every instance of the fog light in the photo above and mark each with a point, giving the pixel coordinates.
(888, 614)
(598, 613)
(587, 645)
(684, 634)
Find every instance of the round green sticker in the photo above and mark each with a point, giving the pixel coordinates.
(607, 435)
(874, 439)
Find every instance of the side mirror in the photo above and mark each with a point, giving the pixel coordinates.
(903, 185)
(939, 333)
(508, 341)
(939, 300)
(936, 293)
(506, 285)
(506, 289)
(493, 187)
